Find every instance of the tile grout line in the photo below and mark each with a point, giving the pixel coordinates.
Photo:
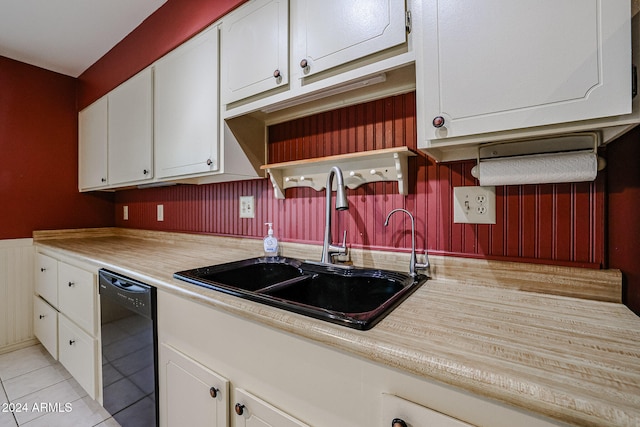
(15, 420)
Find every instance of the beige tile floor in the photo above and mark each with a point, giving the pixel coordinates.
(36, 390)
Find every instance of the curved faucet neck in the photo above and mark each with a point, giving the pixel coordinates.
(341, 204)
(413, 262)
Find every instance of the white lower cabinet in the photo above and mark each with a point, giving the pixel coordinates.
(192, 394)
(78, 353)
(45, 325)
(398, 412)
(281, 379)
(46, 276)
(77, 296)
(66, 317)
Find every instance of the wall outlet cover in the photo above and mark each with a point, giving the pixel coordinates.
(474, 205)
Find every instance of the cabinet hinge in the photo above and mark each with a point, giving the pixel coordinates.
(634, 80)
(407, 21)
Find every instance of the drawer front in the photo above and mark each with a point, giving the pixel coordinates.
(252, 411)
(414, 415)
(78, 353)
(77, 296)
(45, 325)
(46, 276)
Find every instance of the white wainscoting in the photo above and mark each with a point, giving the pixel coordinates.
(16, 293)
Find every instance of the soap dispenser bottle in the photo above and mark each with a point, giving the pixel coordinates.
(270, 242)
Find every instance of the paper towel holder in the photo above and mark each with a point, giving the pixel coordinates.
(583, 142)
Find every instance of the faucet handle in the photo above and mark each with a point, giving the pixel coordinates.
(425, 265)
(337, 250)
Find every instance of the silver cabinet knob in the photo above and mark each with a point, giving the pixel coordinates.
(209, 162)
(304, 63)
(398, 422)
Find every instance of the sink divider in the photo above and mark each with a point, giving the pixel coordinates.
(284, 284)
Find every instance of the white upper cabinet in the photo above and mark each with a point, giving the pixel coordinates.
(254, 49)
(92, 146)
(329, 33)
(131, 130)
(277, 54)
(186, 108)
(496, 65)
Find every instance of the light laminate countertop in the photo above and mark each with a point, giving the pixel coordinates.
(573, 359)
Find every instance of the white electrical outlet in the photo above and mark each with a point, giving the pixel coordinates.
(474, 205)
(247, 207)
(160, 212)
(125, 212)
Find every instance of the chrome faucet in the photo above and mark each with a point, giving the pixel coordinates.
(328, 249)
(413, 263)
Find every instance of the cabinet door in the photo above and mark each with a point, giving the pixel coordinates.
(252, 411)
(254, 49)
(193, 395)
(77, 296)
(131, 130)
(186, 108)
(493, 65)
(414, 415)
(77, 352)
(47, 278)
(45, 325)
(329, 33)
(92, 146)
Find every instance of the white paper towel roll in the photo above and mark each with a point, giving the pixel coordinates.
(539, 169)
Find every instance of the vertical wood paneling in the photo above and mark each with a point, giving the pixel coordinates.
(561, 223)
(16, 291)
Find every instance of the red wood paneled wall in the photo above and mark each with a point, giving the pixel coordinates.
(623, 211)
(561, 224)
(39, 155)
(169, 26)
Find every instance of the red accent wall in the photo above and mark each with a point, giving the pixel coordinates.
(169, 26)
(39, 155)
(559, 224)
(623, 210)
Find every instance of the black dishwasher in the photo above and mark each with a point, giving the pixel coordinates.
(129, 350)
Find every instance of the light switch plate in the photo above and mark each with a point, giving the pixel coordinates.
(247, 207)
(160, 212)
(474, 205)
(125, 212)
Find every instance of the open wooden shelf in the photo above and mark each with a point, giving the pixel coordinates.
(388, 164)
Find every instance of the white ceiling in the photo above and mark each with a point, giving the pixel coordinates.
(67, 36)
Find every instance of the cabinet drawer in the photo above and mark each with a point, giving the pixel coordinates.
(77, 296)
(78, 353)
(414, 415)
(256, 412)
(45, 325)
(46, 276)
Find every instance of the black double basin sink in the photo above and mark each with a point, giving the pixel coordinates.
(352, 297)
